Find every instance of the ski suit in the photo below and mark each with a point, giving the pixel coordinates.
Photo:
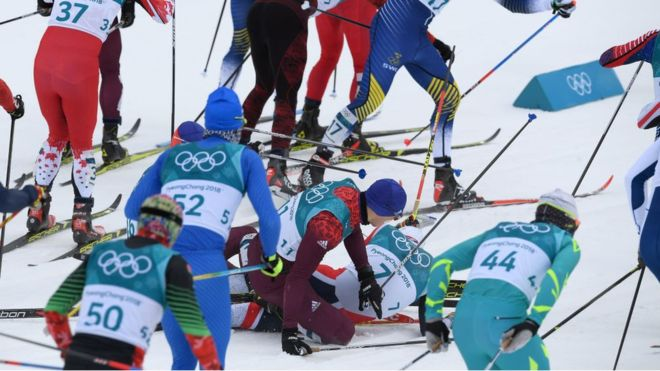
(111, 86)
(511, 266)
(337, 286)
(240, 43)
(122, 303)
(313, 223)
(12, 200)
(208, 178)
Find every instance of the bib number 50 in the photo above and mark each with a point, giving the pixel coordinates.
(110, 317)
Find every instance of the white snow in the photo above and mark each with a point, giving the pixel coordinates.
(550, 153)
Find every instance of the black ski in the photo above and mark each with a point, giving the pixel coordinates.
(57, 227)
(97, 147)
(81, 252)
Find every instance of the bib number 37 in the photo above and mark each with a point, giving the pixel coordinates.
(68, 10)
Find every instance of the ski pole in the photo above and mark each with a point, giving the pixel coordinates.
(19, 17)
(361, 173)
(419, 357)
(570, 317)
(238, 68)
(215, 35)
(7, 179)
(173, 66)
(607, 129)
(632, 307)
(6, 221)
(457, 200)
(74, 353)
(27, 364)
(497, 66)
(334, 84)
(438, 114)
(359, 151)
(351, 21)
(492, 361)
(382, 345)
(229, 272)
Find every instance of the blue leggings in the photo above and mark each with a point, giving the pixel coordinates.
(240, 43)
(478, 326)
(649, 242)
(213, 298)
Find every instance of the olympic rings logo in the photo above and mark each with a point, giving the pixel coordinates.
(579, 83)
(316, 194)
(526, 228)
(127, 265)
(203, 161)
(419, 257)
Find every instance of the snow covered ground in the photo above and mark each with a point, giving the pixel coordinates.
(550, 153)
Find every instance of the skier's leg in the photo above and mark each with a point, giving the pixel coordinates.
(182, 356)
(636, 178)
(110, 96)
(331, 41)
(357, 37)
(240, 43)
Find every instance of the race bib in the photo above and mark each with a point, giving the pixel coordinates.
(516, 261)
(434, 6)
(205, 203)
(290, 238)
(91, 16)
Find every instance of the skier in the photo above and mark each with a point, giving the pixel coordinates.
(331, 31)
(188, 131)
(240, 44)
(313, 223)
(124, 287)
(399, 38)
(646, 209)
(66, 77)
(208, 179)
(511, 266)
(386, 247)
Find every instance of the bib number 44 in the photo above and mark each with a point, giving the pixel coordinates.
(493, 261)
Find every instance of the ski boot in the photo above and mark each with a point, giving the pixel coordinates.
(308, 127)
(277, 180)
(312, 175)
(446, 188)
(81, 223)
(357, 141)
(111, 150)
(39, 218)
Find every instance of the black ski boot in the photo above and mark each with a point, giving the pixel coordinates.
(81, 225)
(446, 188)
(357, 141)
(39, 218)
(111, 150)
(308, 127)
(277, 180)
(312, 175)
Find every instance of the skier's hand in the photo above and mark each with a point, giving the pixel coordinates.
(411, 221)
(274, 265)
(437, 334)
(444, 49)
(58, 326)
(518, 336)
(44, 8)
(563, 7)
(293, 343)
(312, 6)
(19, 111)
(127, 14)
(370, 291)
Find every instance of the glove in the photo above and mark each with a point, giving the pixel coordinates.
(444, 49)
(274, 265)
(563, 7)
(313, 5)
(640, 260)
(44, 8)
(293, 344)
(437, 334)
(58, 326)
(518, 336)
(127, 14)
(256, 146)
(370, 291)
(410, 221)
(203, 347)
(20, 109)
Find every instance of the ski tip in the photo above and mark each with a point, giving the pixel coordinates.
(608, 182)
(362, 173)
(531, 116)
(116, 202)
(407, 142)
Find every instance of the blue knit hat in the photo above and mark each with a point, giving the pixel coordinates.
(188, 131)
(386, 197)
(223, 110)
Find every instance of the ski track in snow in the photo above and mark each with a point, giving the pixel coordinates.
(550, 153)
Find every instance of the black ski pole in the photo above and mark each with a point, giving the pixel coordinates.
(19, 17)
(382, 345)
(457, 200)
(215, 35)
(334, 84)
(173, 65)
(238, 68)
(570, 317)
(632, 307)
(7, 179)
(607, 129)
(419, 357)
(352, 21)
(361, 173)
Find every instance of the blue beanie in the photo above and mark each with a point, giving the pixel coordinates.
(188, 131)
(223, 110)
(386, 198)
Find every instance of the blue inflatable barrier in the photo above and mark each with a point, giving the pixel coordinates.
(569, 87)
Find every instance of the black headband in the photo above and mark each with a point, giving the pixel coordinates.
(162, 213)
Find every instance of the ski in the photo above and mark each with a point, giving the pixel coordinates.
(264, 119)
(131, 158)
(57, 227)
(97, 148)
(504, 202)
(81, 252)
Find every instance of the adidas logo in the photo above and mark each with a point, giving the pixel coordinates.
(315, 305)
(323, 244)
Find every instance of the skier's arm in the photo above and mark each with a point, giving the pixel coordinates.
(259, 194)
(12, 200)
(357, 249)
(60, 304)
(148, 185)
(555, 279)
(457, 258)
(180, 297)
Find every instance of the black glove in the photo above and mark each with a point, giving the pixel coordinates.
(518, 336)
(563, 7)
(370, 291)
(44, 8)
(410, 221)
(640, 260)
(293, 344)
(256, 146)
(444, 49)
(437, 335)
(127, 14)
(20, 109)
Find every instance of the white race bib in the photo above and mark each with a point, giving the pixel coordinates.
(91, 16)
(289, 242)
